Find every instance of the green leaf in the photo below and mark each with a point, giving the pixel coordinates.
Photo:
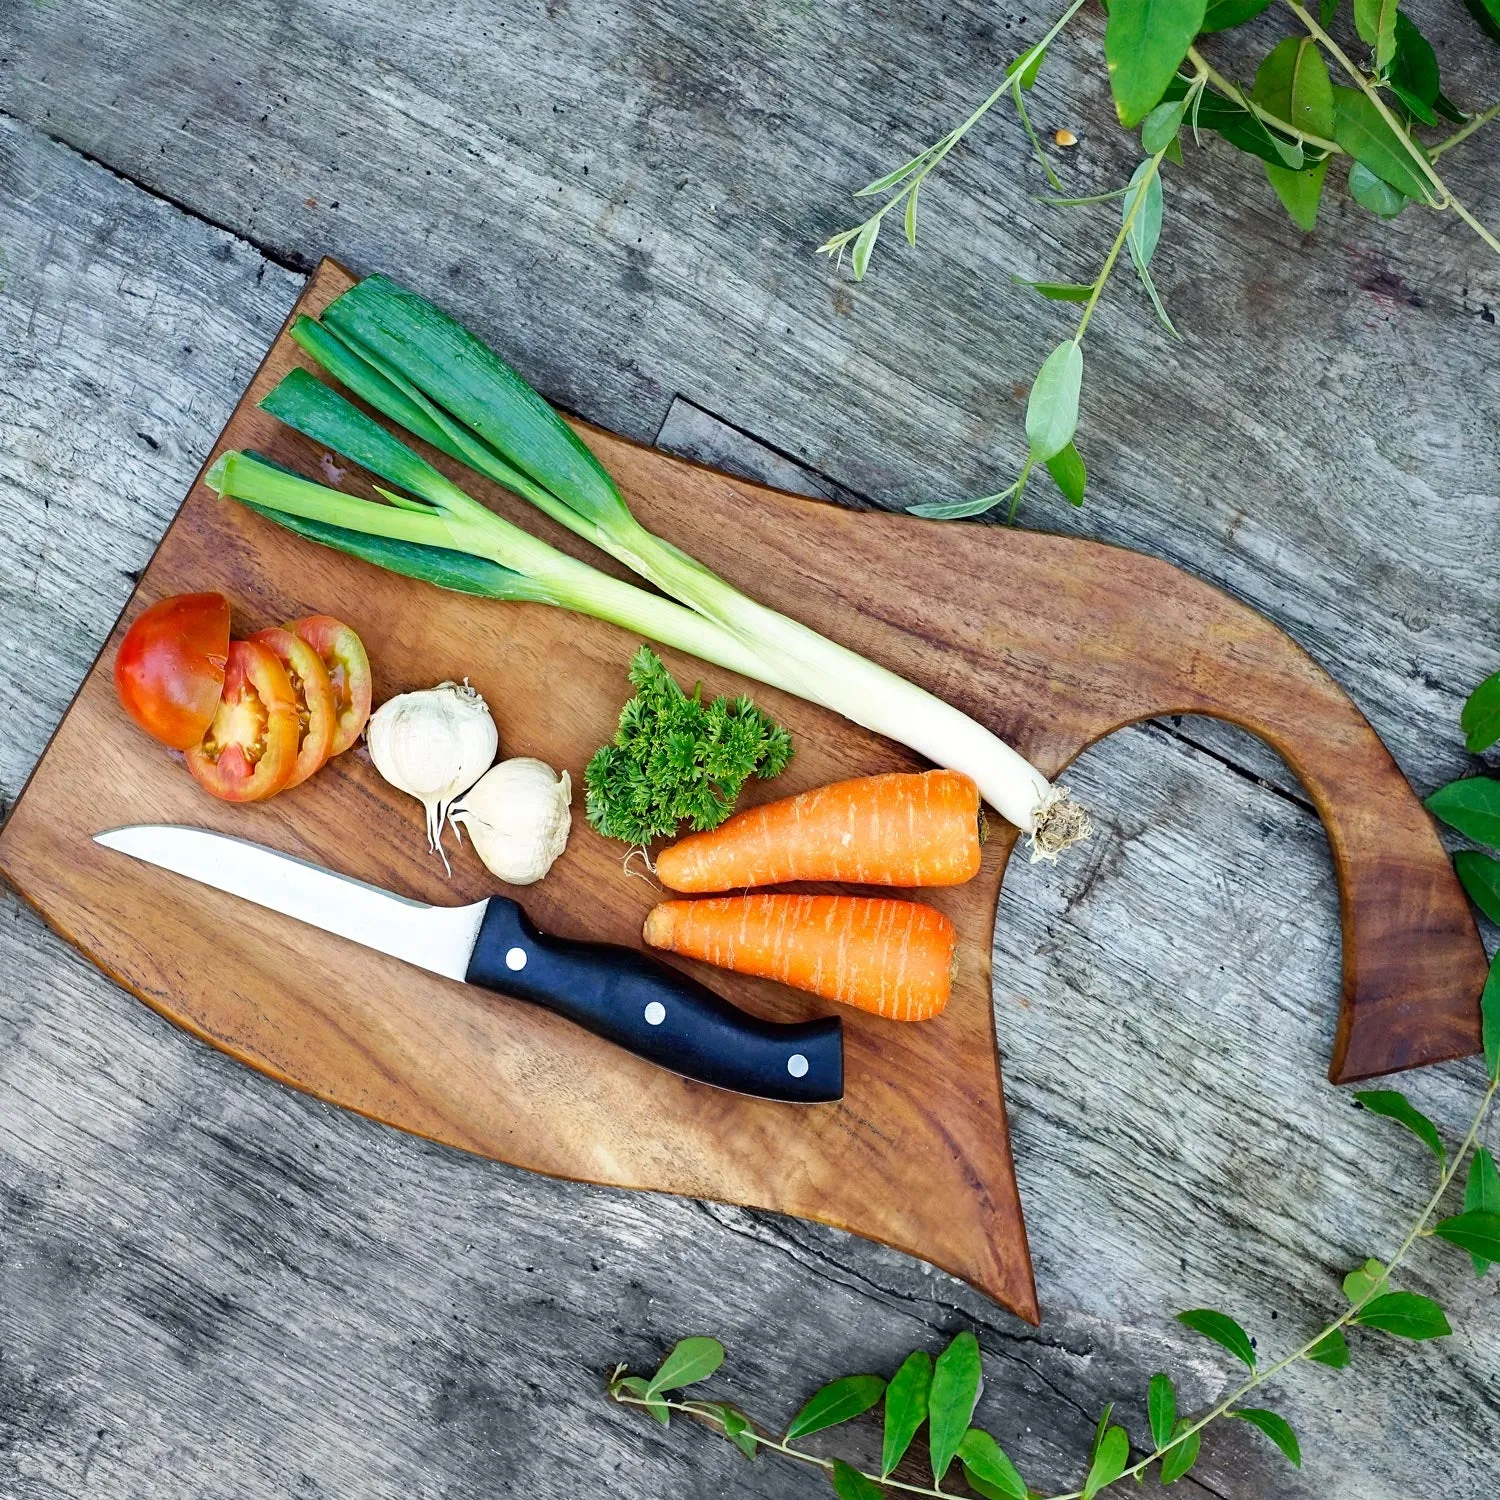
(637, 1386)
(1489, 1018)
(1183, 1455)
(1392, 1104)
(1100, 1430)
(1472, 806)
(838, 1401)
(1052, 411)
(1364, 1279)
(1300, 192)
(1407, 1315)
(1327, 10)
(1475, 1230)
(1057, 291)
(1243, 130)
(850, 1484)
(1161, 1407)
(1331, 1350)
(1028, 78)
(1220, 15)
(1375, 21)
(1480, 876)
(959, 510)
(738, 1430)
(1487, 13)
(1222, 1329)
(892, 178)
(1480, 719)
(687, 1362)
(1278, 1429)
(1374, 193)
(905, 1407)
(1109, 1462)
(909, 219)
(1359, 128)
(951, 1400)
(1143, 45)
(1293, 84)
(1162, 125)
(864, 243)
(1069, 474)
(1145, 226)
(987, 1468)
(1482, 1195)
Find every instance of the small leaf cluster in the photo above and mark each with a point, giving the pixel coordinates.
(675, 758)
(1294, 119)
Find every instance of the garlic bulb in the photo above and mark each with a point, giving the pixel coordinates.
(518, 818)
(433, 745)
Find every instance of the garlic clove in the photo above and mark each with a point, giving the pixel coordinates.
(518, 816)
(433, 744)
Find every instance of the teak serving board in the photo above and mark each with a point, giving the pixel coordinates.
(1052, 641)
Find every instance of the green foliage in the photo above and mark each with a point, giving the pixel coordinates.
(1472, 806)
(1374, 193)
(905, 1407)
(987, 1469)
(1489, 1015)
(1375, 21)
(1111, 1454)
(1161, 1408)
(1183, 1455)
(1360, 129)
(1413, 76)
(675, 758)
(1068, 473)
(1482, 1195)
(1475, 1230)
(1487, 14)
(1394, 1105)
(1331, 1350)
(1278, 1429)
(839, 1401)
(1221, 15)
(850, 1484)
(1480, 876)
(1222, 1329)
(1363, 1280)
(1293, 84)
(1144, 44)
(687, 1362)
(1052, 409)
(1480, 720)
(951, 1401)
(1407, 1315)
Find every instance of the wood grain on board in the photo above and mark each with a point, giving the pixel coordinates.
(1052, 641)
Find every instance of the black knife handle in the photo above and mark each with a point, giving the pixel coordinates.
(657, 1012)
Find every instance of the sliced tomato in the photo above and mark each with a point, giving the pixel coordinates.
(169, 670)
(343, 654)
(311, 687)
(250, 749)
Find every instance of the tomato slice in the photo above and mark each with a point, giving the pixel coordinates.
(343, 654)
(250, 749)
(169, 670)
(313, 692)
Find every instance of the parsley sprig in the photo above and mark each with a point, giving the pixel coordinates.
(677, 759)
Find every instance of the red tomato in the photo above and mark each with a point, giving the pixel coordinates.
(343, 654)
(314, 696)
(169, 670)
(250, 749)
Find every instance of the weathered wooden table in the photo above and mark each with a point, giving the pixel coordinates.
(214, 1286)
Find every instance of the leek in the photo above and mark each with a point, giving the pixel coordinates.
(424, 371)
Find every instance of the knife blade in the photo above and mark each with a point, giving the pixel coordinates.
(620, 994)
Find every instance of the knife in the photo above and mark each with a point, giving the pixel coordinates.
(624, 996)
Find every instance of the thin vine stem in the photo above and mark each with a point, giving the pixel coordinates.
(713, 1413)
(1464, 131)
(1445, 198)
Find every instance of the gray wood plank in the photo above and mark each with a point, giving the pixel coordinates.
(212, 1285)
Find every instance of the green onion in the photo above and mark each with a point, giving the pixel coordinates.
(424, 371)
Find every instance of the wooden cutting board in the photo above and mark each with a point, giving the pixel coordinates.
(1051, 641)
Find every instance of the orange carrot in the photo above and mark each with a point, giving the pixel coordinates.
(894, 958)
(899, 829)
